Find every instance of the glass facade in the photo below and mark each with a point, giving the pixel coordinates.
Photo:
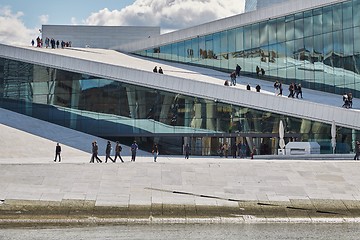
(252, 5)
(120, 111)
(319, 48)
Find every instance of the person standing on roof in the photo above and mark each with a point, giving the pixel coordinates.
(233, 78)
(134, 147)
(237, 70)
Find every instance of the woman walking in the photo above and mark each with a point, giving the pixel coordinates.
(155, 151)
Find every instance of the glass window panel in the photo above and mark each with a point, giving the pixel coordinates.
(317, 20)
(202, 50)
(337, 17)
(273, 59)
(224, 52)
(239, 44)
(209, 50)
(338, 43)
(356, 13)
(299, 55)
(181, 51)
(347, 14)
(308, 27)
(299, 16)
(327, 19)
(189, 52)
(318, 48)
(272, 31)
(290, 65)
(247, 37)
(308, 14)
(299, 28)
(264, 33)
(280, 29)
(174, 52)
(357, 40)
(195, 48)
(328, 49)
(255, 35)
(290, 30)
(338, 49)
(231, 48)
(231, 36)
(165, 52)
(348, 49)
(216, 50)
(223, 43)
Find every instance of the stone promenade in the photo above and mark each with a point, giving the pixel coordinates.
(178, 190)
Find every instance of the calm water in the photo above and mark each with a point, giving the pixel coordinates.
(179, 232)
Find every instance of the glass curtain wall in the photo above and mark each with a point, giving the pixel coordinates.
(319, 49)
(114, 109)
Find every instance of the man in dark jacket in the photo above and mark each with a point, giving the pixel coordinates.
(237, 69)
(108, 151)
(118, 149)
(57, 152)
(94, 156)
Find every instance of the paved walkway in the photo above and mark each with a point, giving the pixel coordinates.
(175, 188)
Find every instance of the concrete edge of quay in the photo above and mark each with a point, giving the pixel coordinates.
(22, 213)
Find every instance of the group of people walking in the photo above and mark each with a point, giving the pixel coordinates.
(233, 75)
(133, 148)
(348, 100)
(50, 43)
(237, 150)
(95, 149)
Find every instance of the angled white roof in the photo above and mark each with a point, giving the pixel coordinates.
(188, 80)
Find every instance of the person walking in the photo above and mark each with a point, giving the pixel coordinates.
(357, 150)
(187, 151)
(95, 150)
(237, 70)
(134, 147)
(58, 152)
(118, 149)
(350, 99)
(280, 89)
(299, 91)
(233, 78)
(291, 90)
(257, 70)
(108, 151)
(226, 149)
(155, 151)
(234, 150)
(276, 87)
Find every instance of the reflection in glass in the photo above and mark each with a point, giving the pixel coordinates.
(312, 47)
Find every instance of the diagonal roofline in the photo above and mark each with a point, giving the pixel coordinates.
(191, 82)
